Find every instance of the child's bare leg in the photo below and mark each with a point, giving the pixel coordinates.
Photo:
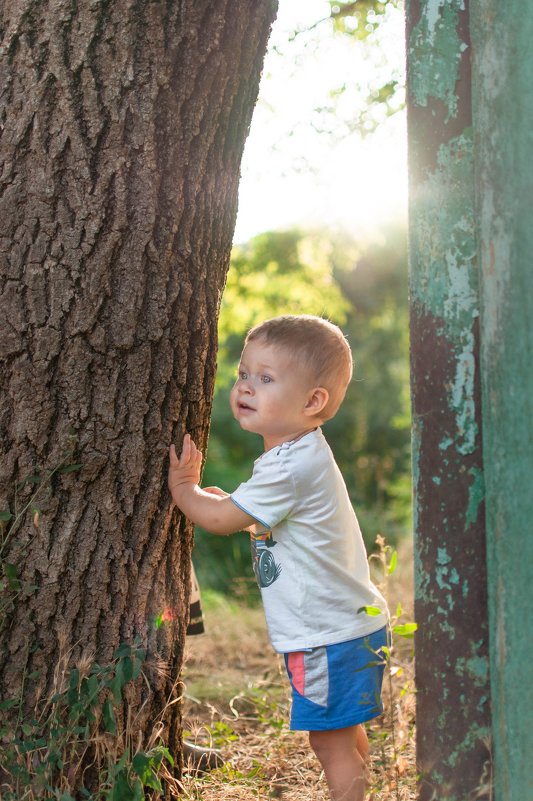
(338, 753)
(361, 740)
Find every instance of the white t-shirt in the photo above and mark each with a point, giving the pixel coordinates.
(308, 553)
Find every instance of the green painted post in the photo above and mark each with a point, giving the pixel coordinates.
(503, 115)
(453, 715)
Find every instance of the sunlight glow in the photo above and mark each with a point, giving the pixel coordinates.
(293, 172)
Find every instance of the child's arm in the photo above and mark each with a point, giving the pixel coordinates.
(220, 492)
(216, 513)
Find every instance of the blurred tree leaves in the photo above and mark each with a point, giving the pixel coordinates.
(362, 287)
(275, 273)
(359, 105)
(361, 18)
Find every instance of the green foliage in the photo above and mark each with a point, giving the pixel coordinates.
(222, 734)
(275, 273)
(363, 288)
(75, 734)
(387, 558)
(372, 428)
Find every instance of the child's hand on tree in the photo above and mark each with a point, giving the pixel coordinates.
(209, 508)
(186, 469)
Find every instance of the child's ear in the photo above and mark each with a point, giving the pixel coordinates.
(316, 401)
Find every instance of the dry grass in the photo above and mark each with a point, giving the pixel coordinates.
(237, 698)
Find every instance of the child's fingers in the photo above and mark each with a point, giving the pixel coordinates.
(186, 450)
(196, 456)
(174, 461)
(189, 453)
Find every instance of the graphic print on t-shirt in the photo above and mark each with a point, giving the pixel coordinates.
(265, 567)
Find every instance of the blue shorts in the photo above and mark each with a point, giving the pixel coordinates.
(336, 686)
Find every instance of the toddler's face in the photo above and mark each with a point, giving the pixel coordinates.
(271, 393)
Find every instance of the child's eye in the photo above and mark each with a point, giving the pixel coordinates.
(243, 375)
(266, 379)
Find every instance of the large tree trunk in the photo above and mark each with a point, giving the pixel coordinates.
(123, 131)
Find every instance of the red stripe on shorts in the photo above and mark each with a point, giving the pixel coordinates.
(296, 666)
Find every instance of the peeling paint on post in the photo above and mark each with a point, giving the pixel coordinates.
(453, 714)
(503, 115)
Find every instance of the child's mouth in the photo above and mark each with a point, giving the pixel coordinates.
(245, 408)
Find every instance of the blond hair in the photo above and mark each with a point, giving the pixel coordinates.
(317, 344)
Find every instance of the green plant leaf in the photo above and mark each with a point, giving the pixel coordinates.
(137, 660)
(385, 650)
(127, 669)
(122, 790)
(373, 611)
(27, 729)
(32, 745)
(10, 572)
(70, 468)
(74, 678)
(405, 629)
(165, 753)
(393, 562)
(93, 687)
(374, 663)
(117, 683)
(123, 650)
(138, 790)
(5, 517)
(9, 704)
(109, 716)
(143, 766)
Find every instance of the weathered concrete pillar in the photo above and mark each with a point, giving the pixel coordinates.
(503, 116)
(453, 714)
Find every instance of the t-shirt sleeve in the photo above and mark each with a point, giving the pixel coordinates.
(268, 495)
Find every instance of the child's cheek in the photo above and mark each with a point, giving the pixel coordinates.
(233, 400)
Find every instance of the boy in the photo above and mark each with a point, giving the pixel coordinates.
(308, 553)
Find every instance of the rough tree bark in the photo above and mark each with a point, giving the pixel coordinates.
(123, 126)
